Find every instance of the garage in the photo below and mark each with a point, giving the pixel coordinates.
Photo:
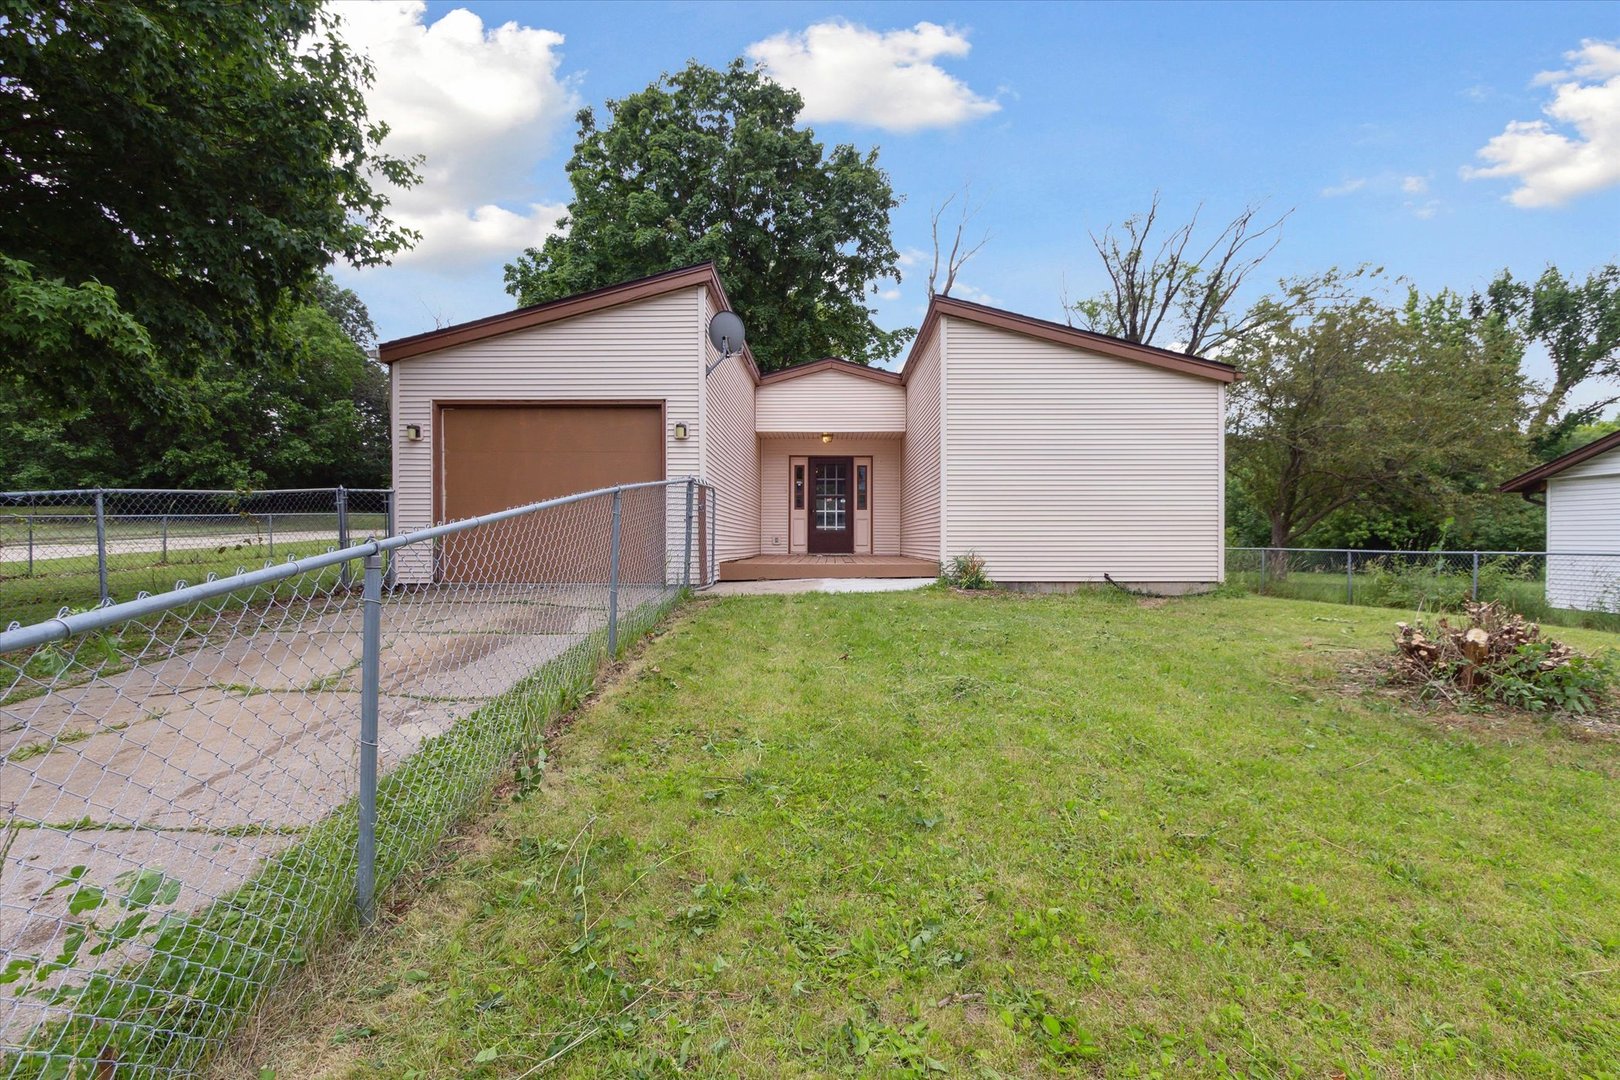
(491, 457)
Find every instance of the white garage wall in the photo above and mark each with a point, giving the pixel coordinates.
(1583, 515)
(919, 483)
(730, 460)
(1062, 465)
(645, 350)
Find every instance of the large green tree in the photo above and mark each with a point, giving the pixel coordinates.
(310, 411)
(711, 165)
(198, 161)
(1577, 323)
(1350, 403)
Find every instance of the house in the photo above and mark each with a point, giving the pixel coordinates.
(1059, 456)
(1582, 496)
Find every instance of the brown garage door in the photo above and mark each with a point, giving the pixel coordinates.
(492, 457)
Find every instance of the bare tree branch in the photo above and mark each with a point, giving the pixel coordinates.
(957, 256)
(1177, 288)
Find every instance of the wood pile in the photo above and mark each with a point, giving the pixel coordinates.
(1468, 655)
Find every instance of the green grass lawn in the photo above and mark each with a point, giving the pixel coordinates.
(1005, 836)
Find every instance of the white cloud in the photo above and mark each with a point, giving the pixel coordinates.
(963, 291)
(1415, 185)
(889, 294)
(481, 106)
(1347, 188)
(1551, 165)
(885, 79)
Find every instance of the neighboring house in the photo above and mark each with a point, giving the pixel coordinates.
(1058, 455)
(1582, 491)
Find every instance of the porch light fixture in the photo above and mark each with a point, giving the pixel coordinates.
(826, 436)
(413, 432)
(680, 430)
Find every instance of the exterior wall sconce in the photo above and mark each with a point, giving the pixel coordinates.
(680, 430)
(413, 432)
(826, 436)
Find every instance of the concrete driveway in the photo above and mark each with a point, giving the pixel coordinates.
(204, 763)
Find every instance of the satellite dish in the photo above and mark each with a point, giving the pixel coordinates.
(726, 332)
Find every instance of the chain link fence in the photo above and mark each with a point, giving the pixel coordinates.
(82, 547)
(1576, 588)
(202, 785)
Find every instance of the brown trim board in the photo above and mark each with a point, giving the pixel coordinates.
(555, 310)
(1062, 335)
(1536, 479)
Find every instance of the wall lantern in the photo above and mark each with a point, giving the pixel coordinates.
(826, 436)
(413, 432)
(680, 430)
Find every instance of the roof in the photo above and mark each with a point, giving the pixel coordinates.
(1186, 363)
(506, 322)
(1536, 479)
(831, 363)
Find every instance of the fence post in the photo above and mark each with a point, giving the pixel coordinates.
(1265, 557)
(270, 522)
(101, 544)
(686, 565)
(165, 528)
(1473, 589)
(341, 497)
(30, 545)
(365, 874)
(1349, 577)
(712, 571)
(613, 579)
(389, 524)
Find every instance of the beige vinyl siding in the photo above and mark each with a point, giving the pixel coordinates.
(1062, 465)
(646, 350)
(730, 457)
(774, 484)
(1583, 515)
(830, 401)
(919, 483)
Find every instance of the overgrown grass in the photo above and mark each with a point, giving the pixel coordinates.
(895, 834)
(1424, 590)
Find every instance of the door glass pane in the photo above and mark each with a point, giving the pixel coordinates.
(860, 487)
(831, 485)
(798, 487)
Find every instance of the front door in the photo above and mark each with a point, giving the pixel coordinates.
(832, 530)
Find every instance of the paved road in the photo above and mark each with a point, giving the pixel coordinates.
(48, 551)
(182, 763)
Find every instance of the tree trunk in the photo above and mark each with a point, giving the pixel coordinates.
(1276, 560)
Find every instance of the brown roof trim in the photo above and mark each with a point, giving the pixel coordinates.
(831, 363)
(506, 322)
(1065, 335)
(1536, 479)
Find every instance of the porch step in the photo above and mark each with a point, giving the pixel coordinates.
(789, 567)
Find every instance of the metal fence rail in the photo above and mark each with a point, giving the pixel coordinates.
(80, 547)
(203, 784)
(1552, 586)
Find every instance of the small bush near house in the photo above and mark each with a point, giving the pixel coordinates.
(967, 572)
(1499, 656)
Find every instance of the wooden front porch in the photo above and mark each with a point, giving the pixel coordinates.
(789, 567)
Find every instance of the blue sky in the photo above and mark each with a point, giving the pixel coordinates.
(1361, 118)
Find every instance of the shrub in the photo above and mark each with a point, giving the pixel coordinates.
(967, 572)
